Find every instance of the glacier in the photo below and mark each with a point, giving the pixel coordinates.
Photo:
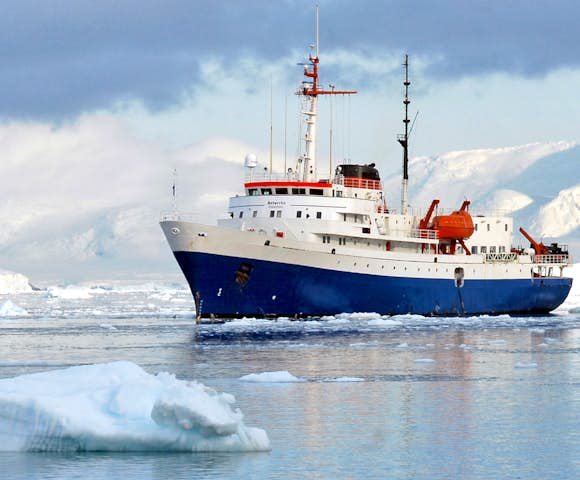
(118, 407)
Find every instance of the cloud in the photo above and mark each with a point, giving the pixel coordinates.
(88, 194)
(61, 58)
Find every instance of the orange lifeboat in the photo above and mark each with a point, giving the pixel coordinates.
(456, 226)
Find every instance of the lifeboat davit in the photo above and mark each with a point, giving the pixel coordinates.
(456, 226)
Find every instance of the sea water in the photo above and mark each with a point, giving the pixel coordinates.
(347, 396)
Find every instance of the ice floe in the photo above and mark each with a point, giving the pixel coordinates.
(345, 379)
(9, 309)
(526, 365)
(272, 377)
(119, 407)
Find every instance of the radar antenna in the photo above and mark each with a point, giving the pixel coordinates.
(403, 139)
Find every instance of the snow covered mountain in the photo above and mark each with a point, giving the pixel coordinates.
(539, 184)
(82, 201)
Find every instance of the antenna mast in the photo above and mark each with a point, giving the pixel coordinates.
(404, 141)
(311, 90)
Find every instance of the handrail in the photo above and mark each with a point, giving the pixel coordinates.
(501, 257)
(355, 182)
(553, 259)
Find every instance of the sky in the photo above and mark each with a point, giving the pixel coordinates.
(101, 100)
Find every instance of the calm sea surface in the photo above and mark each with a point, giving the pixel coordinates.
(474, 398)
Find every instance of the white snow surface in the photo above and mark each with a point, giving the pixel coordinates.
(119, 407)
(12, 282)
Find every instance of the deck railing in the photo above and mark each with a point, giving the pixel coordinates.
(501, 257)
(552, 259)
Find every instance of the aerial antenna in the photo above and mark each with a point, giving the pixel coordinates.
(271, 128)
(403, 139)
(413, 123)
(317, 30)
(285, 131)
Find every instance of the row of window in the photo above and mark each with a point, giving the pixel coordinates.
(286, 191)
(484, 249)
(275, 213)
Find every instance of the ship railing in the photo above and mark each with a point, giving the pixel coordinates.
(271, 177)
(354, 182)
(501, 257)
(179, 216)
(552, 259)
(415, 233)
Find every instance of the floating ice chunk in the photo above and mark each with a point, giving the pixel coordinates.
(424, 360)
(108, 326)
(272, 377)
(71, 292)
(119, 407)
(409, 316)
(11, 282)
(384, 322)
(526, 365)
(337, 321)
(9, 309)
(358, 315)
(345, 379)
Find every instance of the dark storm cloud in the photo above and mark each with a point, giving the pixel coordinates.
(62, 57)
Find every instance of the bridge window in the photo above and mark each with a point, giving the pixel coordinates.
(492, 249)
(501, 249)
(281, 191)
(325, 238)
(266, 191)
(483, 249)
(506, 227)
(318, 214)
(474, 250)
(339, 193)
(299, 191)
(366, 230)
(299, 214)
(241, 214)
(316, 191)
(279, 214)
(488, 227)
(475, 227)
(272, 213)
(252, 191)
(255, 213)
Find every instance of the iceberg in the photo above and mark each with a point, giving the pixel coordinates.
(9, 309)
(118, 407)
(11, 282)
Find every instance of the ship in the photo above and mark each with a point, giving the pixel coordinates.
(300, 244)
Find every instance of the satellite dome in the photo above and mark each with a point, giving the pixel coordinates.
(251, 161)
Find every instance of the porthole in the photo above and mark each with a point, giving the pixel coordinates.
(175, 231)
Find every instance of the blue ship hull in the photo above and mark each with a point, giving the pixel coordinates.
(226, 287)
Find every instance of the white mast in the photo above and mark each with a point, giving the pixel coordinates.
(311, 91)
